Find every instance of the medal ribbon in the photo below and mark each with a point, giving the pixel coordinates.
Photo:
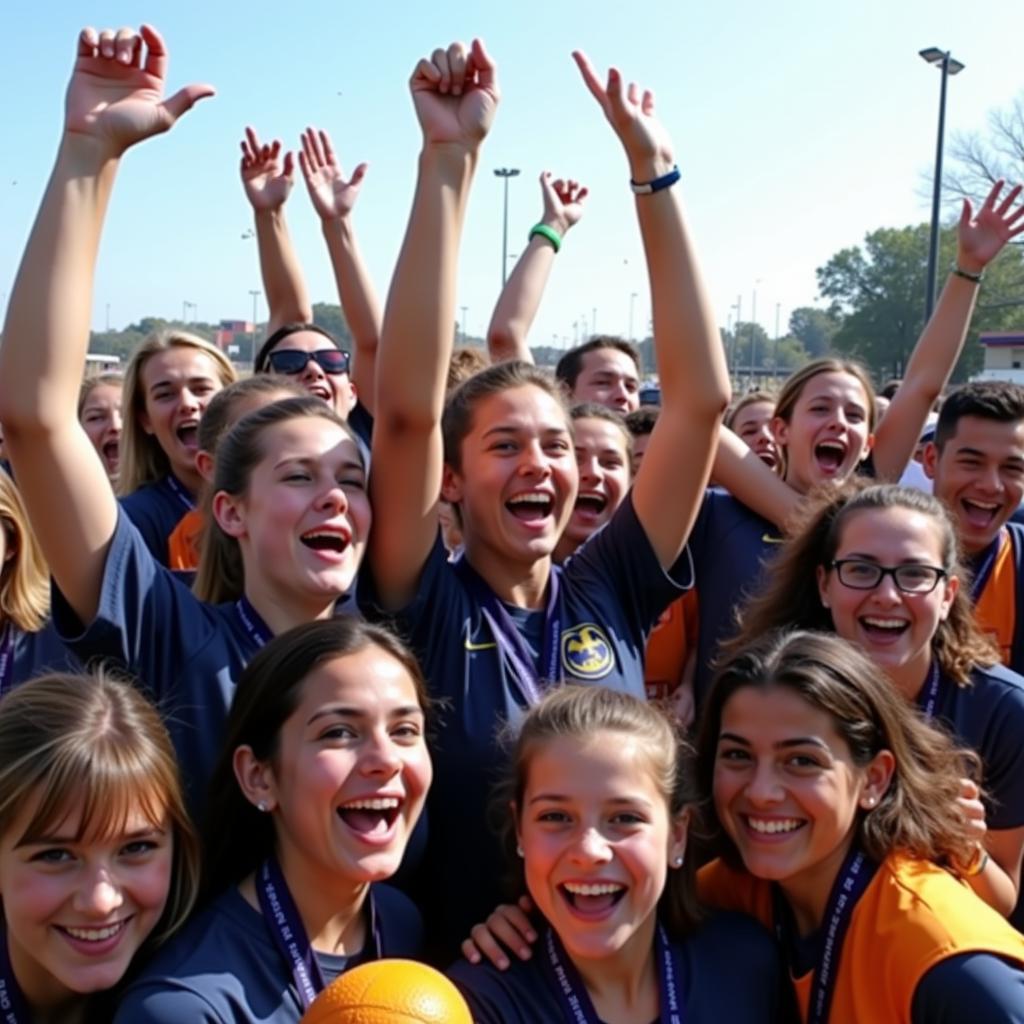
(575, 1000)
(928, 698)
(180, 493)
(507, 636)
(6, 656)
(259, 632)
(13, 1007)
(988, 559)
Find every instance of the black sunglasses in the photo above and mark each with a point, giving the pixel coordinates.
(295, 360)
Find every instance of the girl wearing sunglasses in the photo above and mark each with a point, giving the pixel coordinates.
(888, 580)
(289, 499)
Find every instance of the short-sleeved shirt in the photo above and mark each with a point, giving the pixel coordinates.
(613, 589)
(1000, 604)
(709, 960)
(185, 654)
(39, 653)
(224, 967)
(156, 509)
(730, 544)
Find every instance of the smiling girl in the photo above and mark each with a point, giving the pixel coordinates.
(98, 860)
(836, 808)
(600, 803)
(323, 776)
(290, 508)
(888, 580)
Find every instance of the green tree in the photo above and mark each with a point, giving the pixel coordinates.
(329, 316)
(814, 329)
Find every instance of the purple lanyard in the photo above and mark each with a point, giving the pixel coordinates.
(507, 636)
(928, 698)
(180, 493)
(13, 1007)
(985, 568)
(6, 656)
(575, 1000)
(853, 878)
(259, 632)
(289, 934)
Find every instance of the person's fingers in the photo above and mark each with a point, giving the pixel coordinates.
(582, 194)
(485, 71)
(156, 53)
(1008, 201)
(966, 213)
(439, 58)
(185, 99)
(272, 151)
(88, 42)
(304, 166)
(124, 44)
(647, 102)
(590, 79)
(470, 952)
(289, 165)
(358, 174)
(633, 94)
(457, 67)
(426, 73)
(485, 943)
(107, 46)
(325, 148)
(993, 194)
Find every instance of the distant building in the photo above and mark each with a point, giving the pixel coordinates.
(235, 332)
(98, 362)
(1004, 356)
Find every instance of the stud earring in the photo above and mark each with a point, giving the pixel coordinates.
(870, 801)
(678, 862)
(519, 851)
(262, 807)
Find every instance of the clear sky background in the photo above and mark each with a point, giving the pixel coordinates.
(799, 127)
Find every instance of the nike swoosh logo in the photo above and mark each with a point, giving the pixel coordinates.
(768, 538)
(470, 646)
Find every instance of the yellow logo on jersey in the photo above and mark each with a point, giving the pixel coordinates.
(587, 652)
(771, 538)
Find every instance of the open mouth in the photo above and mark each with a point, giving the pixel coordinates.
(530, 508)
(326, 540)
(188, 435)
(980, 515)
(830, 455)
(593, 898)
(878, 628)
(773, 826)
(768, 457)
(112, 451)
(591, 504)
(320, 391)
(371, 818)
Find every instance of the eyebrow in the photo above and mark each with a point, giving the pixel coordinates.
(344, 711)
(57, 840)
(508, 428)
(797, 741)
(618, 801)
(309, 460)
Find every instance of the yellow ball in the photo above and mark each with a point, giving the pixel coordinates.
(389, 992)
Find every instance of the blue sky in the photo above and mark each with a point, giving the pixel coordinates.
(798, 126)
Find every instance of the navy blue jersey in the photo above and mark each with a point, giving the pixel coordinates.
(39, 653)
(730, 544)
(224, 967)
(613, 590)
(361, 422)
(976, 987)
(156, 509)
(730, 969)
(184, 653)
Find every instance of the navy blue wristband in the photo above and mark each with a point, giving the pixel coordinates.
(647, 187)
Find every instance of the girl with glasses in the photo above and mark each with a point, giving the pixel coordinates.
(884, 559)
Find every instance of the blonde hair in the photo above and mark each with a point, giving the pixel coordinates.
(94, 381)
(94, 742)
(142, 459)
(24, 577)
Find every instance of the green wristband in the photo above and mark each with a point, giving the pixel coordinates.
(549, 233)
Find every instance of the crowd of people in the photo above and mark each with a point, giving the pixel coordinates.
(650, 713)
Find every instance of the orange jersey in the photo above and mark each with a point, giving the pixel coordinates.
(996, 606)
(912, 915)
(183, 543)
(673, 638)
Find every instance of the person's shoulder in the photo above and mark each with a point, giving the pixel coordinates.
(725, 938)
(998, 678)
(399, 920)
(518, 995)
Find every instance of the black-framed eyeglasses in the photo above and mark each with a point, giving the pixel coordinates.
(295, 360)
(912, 578)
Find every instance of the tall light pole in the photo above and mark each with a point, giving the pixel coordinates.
(505, 173)
(775, 353)
(736, 336)
(753, 332)
(255, 293)
(632, 300)
(465, 310)
(948, 66)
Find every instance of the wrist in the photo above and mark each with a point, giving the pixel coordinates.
(560, 225)
(651, 166)
(977, 863)
(86, 153)
(969, 265)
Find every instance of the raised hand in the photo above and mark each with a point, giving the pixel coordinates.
(267, 179)
(630, 112)
(115, 96)
(980, 239)
(563, 202)
(455, 94)
(333, 197)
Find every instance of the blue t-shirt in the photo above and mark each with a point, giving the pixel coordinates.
(975, 987)
(156, 509)
(224, 967)
(39, 653)
(713, 990)
(184, 653)
(612, 591)
(730, 544)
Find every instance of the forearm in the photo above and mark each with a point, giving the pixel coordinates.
(738, 469)
(283, 284)
(995, 886)
(359, 302)
(46, 335)
(417, 335)
(519, 301)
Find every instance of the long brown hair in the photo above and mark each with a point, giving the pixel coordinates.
(24, 576)
(790, 599)
(918, 814)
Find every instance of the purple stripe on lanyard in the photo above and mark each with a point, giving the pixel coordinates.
(13, 1007)
(853, 878)
(985, 564)
(507, 636)
(6, 656)
(928, 698)
(575, 1001)
(259, 632)
(180, 493)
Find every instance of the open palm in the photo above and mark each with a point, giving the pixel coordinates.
(980, 239)
(267, 178)
(332, 195)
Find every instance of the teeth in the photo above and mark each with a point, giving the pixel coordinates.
(388, 803)
(95, 934)
(883, 623)
(598, 889)
(774, 826)
(532, 499)
(834, 445)
(985, 506)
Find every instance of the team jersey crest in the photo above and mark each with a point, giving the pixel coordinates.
(587, 652)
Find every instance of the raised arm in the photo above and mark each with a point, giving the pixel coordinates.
(333, 199)
(455, 94)
(738, 469)
(979, 240)
(520, 298)
(691, 361)
(267, 180)
(114, 100)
